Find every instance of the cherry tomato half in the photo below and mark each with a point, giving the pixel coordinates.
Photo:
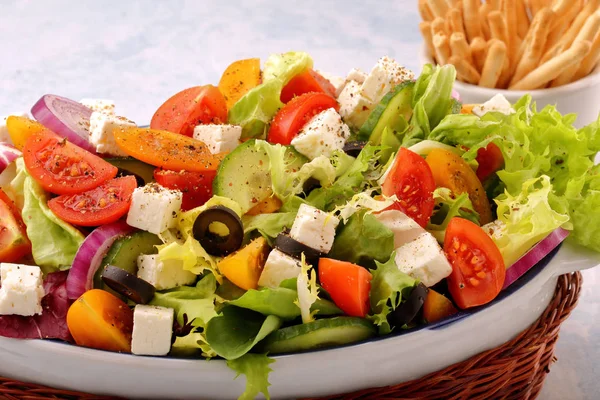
(195, 186)
(490, 160)
(306, 82)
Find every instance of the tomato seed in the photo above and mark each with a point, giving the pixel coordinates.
(481, 275)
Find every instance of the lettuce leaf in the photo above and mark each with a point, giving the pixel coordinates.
(255, 367)
(448, 206)
(283, 67)
(54, 242)
(269, 225)
(308, 292)
(585, 212)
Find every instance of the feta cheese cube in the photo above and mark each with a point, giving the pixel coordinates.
(354, 108)
(386, 74)
(498, 103)
(102, 127)
(405, 229)
(323, 134)
(357, 75)
(218, 138)
(278, 267)
(152, 330)
(4, 136)
(22, 290)
(154, 208)
(163, 274)
(337, 81)
(100, 105)
(424, 260)
(314, 228)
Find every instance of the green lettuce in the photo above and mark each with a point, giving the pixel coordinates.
(585, 212)
(448, 206)
(389, 287)
(54, 242)
(269, 225)
(255, 367)
(255, 110)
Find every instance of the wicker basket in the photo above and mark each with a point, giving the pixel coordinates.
(515, 370)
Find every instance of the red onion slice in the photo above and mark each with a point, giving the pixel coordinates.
(535, 255)
(66, 118)
(8, 154)
(90, 255)
(456, 95)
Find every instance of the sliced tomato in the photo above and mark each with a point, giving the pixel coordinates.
(167, 150)
(102, 205)
(62, 167)
(294, 115)
(437, 307)
(410, 179)
(490, 160)
(348, 284)
(14, 243)
(190, 107)
(195, 186)
(478, 270)
(452, 172)
(306, 82)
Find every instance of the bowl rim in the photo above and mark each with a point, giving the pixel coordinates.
(587, 82)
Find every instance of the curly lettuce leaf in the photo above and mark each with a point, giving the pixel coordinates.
(307, 290)
(255, 367)
(363, 201)
(448, 206)
(584, 208)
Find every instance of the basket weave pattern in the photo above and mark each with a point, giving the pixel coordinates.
(514, 370)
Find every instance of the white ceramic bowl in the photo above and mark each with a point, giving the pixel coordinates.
(376, 362)
(581, 97)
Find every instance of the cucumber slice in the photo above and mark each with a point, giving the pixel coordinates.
(244, 174)
(130, 165)
(321, 333)
(393, 112)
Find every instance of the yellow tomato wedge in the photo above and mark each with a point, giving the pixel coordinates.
(238, 79)
(243, 268)
(452, 172)
(20, 128)
(467, 108)
(268, 206)
(168, 150)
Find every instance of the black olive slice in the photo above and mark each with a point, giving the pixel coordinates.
(354, 148)
(130, 286)
(409, 309)
(123, 172)
(291, 247)
(213, 243)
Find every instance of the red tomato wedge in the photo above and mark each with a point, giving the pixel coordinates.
(306, 82)
(348, 284)
(478, 270)
(14, 243)
(167, 150)
(490, 160)
(62, 167)
(411, 180)
(190, 107)
(294, 115)
(102, 205)
(195, 186)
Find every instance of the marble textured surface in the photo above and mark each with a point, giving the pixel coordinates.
(140, 52)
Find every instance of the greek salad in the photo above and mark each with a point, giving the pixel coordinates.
(285, 210)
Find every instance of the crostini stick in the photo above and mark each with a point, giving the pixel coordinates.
(479, 49)
(484, 10)
(471, 18)
(498, 27)
(425, 11)
(460, 47)
(466, 71)
(439, 8)
(438, 26)
(523, 23)
(456, 21)
(425, 28)
(590, 61)
(494, 63)
(442, 48)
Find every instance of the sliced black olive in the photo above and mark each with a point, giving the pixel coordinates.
(310, 184)
(291, 247)
(123, 172)
(130, 286)
(408, 310)
(214, 243)
(354, 148)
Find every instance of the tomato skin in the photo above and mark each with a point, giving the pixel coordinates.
(490, 160)
(238, 79)
(102, 205)
(478, 269)
(306, 82)
(61, 167)
(101, 321)
(294, 115)
(348, 284)
(411, 180)
(190, 107)
(196, 186)
(14, 243)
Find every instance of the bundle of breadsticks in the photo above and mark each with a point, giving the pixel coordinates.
(514, 44)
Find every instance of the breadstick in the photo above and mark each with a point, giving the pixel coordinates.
(439, 7)
(553, 68)
(479, 50)
(456, 21)
(563, 21)
(471, 18)
(494, 4)
(522, 19)
(509, 9)
(438, 26)
(535, 6)
(484, 10)
(494, 62)
(425, 28)
(425, 11)
(590, 61)
(465, 70)
(442, 48)
(455, 3)
(460, 47)
(498, 26)
(533, 51)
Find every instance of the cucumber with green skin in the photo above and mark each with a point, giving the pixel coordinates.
(393, 112)
(244, 174)
(327, 332)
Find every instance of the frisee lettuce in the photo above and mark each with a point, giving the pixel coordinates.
(256, 369)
